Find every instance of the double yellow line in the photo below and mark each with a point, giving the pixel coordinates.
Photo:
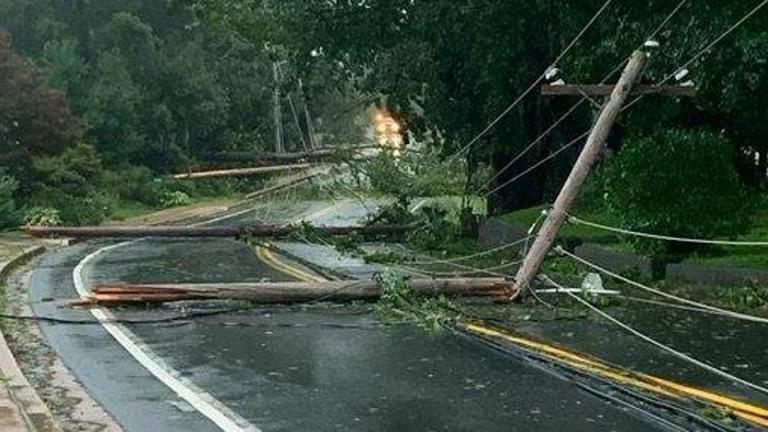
(744, 410)
(269, 258)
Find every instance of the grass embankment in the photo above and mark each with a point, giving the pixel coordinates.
(137, 213)
(732, 256)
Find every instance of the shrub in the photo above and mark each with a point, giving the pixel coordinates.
(135, 183)
(69, 184)
(8, 213)
(678, 183)
(175, 199)
(43, 216)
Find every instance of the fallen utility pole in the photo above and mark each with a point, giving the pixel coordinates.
(238, 172)
(259, 158)
(288, 292)
(557, 215)
(212, 231)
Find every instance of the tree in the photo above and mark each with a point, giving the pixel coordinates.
(114, 104)
(454, 65)
(677, 183)
(34, 119)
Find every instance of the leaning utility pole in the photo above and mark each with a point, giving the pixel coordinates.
(564, 203)
(278, 111)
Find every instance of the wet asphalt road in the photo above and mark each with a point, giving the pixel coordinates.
(324, 368)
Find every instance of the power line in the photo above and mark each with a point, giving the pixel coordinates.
(475, 255)
(536, 82)
(539, 163)
(723, 312)
(656, 343)
(617, 230)
(475, 270)
(583, 98)
(532, 144)
(487, 270)
(637, 99)
(706, 49)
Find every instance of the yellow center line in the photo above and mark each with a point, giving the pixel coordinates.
(266, 256)
(270, 259)
(747, 411)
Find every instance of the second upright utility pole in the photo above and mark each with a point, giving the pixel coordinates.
(278, 111)
(566, 198)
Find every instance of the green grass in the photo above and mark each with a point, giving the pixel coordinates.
(122, 210)
(741, 256)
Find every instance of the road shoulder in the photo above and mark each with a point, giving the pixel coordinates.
(21, 408)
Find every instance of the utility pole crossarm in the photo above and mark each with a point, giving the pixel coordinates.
(607, 89)
(565, 200)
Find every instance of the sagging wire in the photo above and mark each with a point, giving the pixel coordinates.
(570, 373)
(536, 82)
(654, 342)
(576, 105)
(698, 305)
(623, 231)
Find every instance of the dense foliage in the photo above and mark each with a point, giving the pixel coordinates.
(8, 211)
(35, 120)
(150, 88)
(453, 65)
(157, 86)
(677, 183)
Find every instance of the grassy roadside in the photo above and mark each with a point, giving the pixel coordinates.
(753, 257)
(140, 214)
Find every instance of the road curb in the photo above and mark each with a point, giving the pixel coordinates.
(28, 407)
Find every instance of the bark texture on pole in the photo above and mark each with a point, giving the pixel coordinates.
(289, 292)
(213, 231)
(548, 232)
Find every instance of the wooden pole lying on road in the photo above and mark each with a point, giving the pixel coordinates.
(213, 231)
(566, 198)
(289, 292)
(240, 171)
(259, 158)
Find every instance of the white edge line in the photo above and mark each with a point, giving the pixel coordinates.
(226, 419)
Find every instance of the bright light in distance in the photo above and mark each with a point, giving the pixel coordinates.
(388, 132)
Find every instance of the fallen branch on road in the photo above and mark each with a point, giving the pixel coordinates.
(213, 231)
(289, 292)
